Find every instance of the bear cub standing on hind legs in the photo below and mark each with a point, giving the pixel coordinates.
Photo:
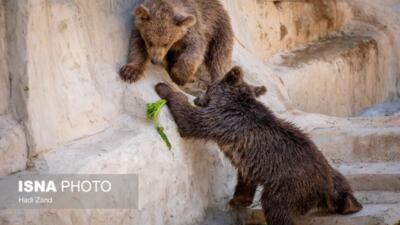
(187, 33)
(266, 150)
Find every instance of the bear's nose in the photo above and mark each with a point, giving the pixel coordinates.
(155, 61)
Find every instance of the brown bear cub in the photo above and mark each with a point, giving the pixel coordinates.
(266, 150)
(187, 33)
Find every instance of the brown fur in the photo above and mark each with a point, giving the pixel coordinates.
(185, 32)
(266, 150)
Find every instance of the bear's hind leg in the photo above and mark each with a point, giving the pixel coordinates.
(244, 193)
(277, 215)
(219, 54)
(276, 208)
(187, 61)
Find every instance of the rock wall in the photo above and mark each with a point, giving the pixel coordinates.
(13, 149)
(67, 86)
(346, 71)
(338, 77)
(4, 78)
(385, 19)
(268, 27)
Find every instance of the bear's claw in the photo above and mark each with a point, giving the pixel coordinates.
(130, 73)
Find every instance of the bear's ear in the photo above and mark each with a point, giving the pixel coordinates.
(259, 90)
(235, 76)
(185, 21)
(141, 12)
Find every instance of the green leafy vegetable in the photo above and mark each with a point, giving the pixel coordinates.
(153, 109)
(160, 130)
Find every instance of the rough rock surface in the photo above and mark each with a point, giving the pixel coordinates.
(74, 49)
(77, 115)
(4, 78)
(13, 149)
(268, 27)
(382, 109)
(348, 67)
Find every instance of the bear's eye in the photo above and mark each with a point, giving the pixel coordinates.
(165, 45)
(150, 44)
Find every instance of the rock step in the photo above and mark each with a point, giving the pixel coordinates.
(365, 197)
(371, 214)
(380, 214)
(378, 142)
(378, 197)
(368, 179)
(372, 176)
(348, 67)
(324, 49)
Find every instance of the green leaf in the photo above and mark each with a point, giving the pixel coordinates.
(153, 109)
(160, 130)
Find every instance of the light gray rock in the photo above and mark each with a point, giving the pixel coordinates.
(382, 109)
(4, 78)
(13, 149)
(69, 87)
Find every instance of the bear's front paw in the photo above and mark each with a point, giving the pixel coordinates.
(131, 73)
(163, 90)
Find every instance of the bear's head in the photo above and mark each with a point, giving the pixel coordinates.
(231, 89)
(161, 25)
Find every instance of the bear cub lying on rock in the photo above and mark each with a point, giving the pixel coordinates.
(266, 150)
(187, 33)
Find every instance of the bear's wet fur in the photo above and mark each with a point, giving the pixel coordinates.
(265, 149)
